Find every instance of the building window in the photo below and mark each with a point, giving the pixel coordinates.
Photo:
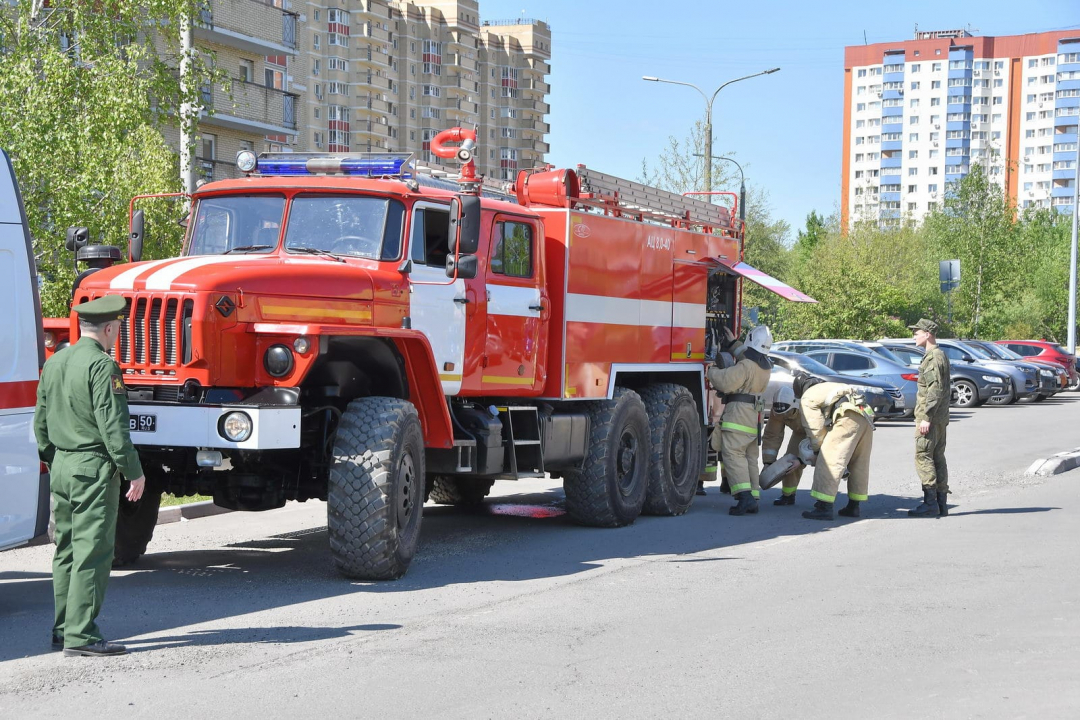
(247, 71)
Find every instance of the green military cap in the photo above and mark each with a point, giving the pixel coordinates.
(95, 312)
(928, 325)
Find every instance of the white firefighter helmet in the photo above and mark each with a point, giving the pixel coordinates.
(784, 401)
(760, 339)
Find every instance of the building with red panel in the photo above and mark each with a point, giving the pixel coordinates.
(918, 114)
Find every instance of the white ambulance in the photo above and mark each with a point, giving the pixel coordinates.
(24, 491)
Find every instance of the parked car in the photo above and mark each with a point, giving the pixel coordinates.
(863, 364)
(971, 386)
(1045, 375)
(885, 398)
(1024, 376)
(805, 346)
(1044, 350)
(1004, 353)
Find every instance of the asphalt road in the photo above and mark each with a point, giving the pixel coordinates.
(515, 612)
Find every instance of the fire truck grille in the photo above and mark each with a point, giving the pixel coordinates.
(156, 332)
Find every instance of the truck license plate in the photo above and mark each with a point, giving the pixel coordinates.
(143, 423)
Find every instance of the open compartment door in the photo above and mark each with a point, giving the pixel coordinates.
(768, 282)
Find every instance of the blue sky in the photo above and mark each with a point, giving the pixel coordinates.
(784, 128)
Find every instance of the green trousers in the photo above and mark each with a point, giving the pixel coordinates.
(86, 492)
(930, 458)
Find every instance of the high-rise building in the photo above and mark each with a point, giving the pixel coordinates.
(370, 75)
(919, 113)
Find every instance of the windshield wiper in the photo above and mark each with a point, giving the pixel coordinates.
(315, 251)
(247, 248)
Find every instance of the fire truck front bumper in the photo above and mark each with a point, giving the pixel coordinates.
(243, 427)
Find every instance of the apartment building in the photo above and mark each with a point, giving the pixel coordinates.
(919, 113)
(255, 43)
(371, 75)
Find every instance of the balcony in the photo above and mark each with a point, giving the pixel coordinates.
(366, 104)
(250, 108)
(369, 56)
(373, 79)
(370, 127)
(256, 26)
(211, 170)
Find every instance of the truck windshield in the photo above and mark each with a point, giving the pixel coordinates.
(350, 225)
(236, 224)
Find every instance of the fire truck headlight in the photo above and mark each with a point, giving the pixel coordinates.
(50, 339)
(246, 161)
(301, 345)
(278, 360)
(236, 426)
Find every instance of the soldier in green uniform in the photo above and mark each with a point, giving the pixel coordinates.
(931, 422)
(81, 424)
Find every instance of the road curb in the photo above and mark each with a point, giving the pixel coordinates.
(189, 511)
(1055, 464)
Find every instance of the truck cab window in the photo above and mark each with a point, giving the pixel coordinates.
(243, 223)
(350, 225)
(430, 236)
(512, 249)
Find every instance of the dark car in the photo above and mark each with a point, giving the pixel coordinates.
(1044, 350)
(1024, 376)
(1047, 384)
(971, 386)
(885, 398)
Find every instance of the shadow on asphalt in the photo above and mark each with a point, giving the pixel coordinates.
(516, 538)
(255, 635)
(1002, 511)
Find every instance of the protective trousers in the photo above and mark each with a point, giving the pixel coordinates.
(846, 446)
(930, 458)
(739, 453)
(790, 483)
(86, 493)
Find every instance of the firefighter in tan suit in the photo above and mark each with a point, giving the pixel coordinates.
(839, 426)
(742, 385)
(784, 416)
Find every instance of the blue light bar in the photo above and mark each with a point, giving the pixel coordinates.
(358, 164)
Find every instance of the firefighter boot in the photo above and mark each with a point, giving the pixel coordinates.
(943, 504)
(822, 511)
(748, 504)
(700, 487)
(928, 507)
(785, 500)
(850, 510)
(725, 489)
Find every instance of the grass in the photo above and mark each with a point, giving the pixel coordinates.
(167, 500)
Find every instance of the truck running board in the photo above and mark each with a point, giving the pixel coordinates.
(521, 437)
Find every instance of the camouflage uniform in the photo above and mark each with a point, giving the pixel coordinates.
(932, 405)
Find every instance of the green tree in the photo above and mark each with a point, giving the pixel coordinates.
(977, 225)
(680, 169)
(84, 91)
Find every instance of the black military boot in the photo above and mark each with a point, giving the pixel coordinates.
(822, 511)
(725, 489)
(928, 507)
(850, 510)
(785, 500)
(748, 504)
(943, 504)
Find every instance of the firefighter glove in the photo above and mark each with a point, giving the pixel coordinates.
(806, 453)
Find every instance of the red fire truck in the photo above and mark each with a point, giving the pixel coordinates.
(352, 329)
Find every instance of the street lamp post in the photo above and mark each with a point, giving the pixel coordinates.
(742, 184)
(708, 113)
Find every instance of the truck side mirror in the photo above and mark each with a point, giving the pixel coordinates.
(465, 224)
(466, 266)
(135, 236)
(77, 238)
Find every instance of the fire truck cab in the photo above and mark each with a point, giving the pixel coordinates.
(354, 329)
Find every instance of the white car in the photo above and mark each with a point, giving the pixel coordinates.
(24, 491)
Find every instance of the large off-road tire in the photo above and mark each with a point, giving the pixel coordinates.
(964, 394)
(135, 523)
(676, 458)
(467, 492)
(609, 490)
(374, 500)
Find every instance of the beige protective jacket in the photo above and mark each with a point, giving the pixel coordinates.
(823, 403)
(745, 377)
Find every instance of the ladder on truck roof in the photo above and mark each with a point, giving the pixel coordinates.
(638, 197)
